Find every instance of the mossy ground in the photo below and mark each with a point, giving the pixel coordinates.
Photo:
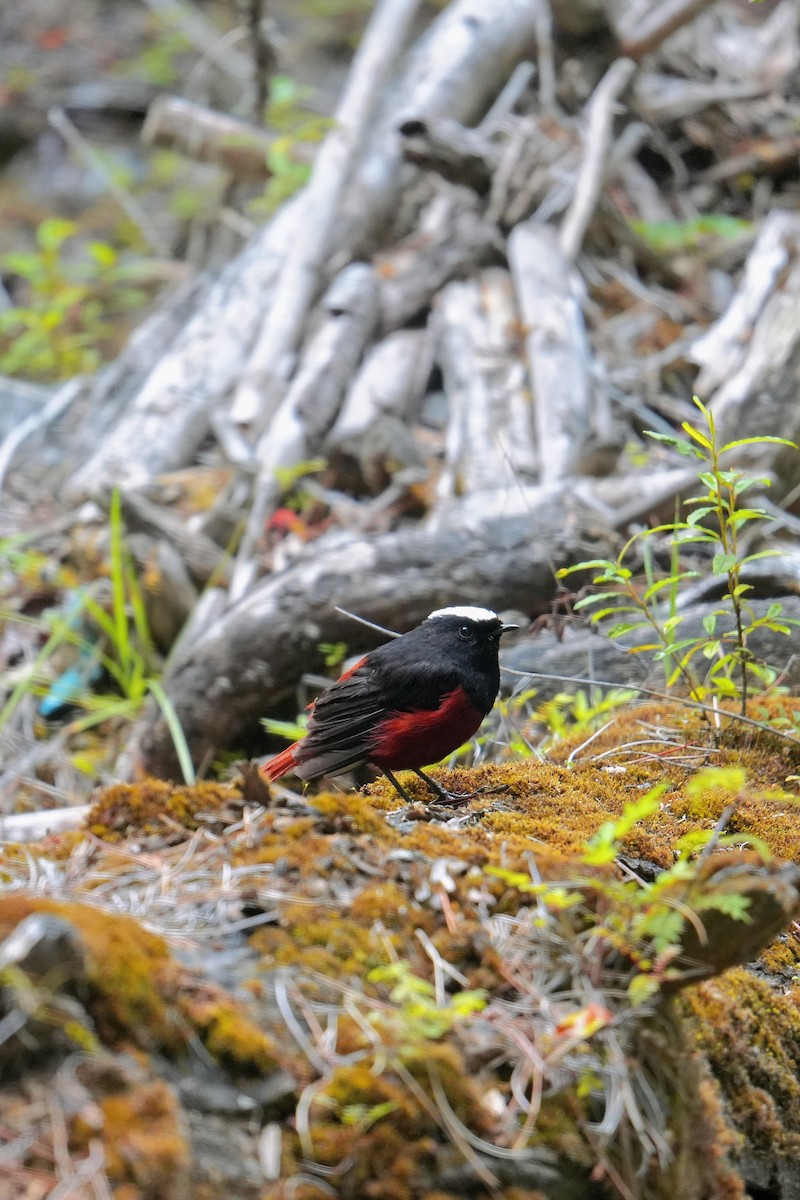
(344, 890)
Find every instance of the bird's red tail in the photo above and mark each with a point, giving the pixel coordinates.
(282, 764)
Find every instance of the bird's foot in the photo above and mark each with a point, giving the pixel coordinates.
(443, 796)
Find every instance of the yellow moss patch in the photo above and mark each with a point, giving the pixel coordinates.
(147, 1154)
(229, 1035)
(130, 970)
(351, 813)
(388, 904)
(154, 807)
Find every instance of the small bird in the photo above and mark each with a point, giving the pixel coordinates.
(409, 703)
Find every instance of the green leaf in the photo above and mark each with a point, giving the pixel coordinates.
(53, 232)
(722, 563)
(104, 255)
(740, 515)
(699, 437)
(755, 441)
(698, 513)
(730, 903)
(622, 628)
(641, 989)
(684, 448)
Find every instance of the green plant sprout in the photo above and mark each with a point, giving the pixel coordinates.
(289, 157)
(126, 654)
(417, 1017)
(717, 520)
(65, 321)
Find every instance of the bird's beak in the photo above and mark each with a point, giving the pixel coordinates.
(508, 628)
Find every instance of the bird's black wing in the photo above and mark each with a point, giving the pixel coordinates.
(342, 724)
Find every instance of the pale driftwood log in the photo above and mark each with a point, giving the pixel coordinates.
(52, 408)
(32, 826)
(167, 417)
(310, 407)
(455, 71)
(260, 388)
(453, 240)
(391, 382)
(208, 136)
(559, 356)
(719, 44)
(758, 394)
(45, 459)
(373, 424)
(661, 99)
(722, 349)
(598, 118)
(237, 669)
(489, 442)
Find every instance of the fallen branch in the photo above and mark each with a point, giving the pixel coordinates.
(208, 136)
(261, 383)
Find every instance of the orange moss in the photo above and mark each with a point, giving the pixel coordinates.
(352, 813)
(130, 970)
(229, 1035)
(155, 807)
(389, 904)
(147, 1153)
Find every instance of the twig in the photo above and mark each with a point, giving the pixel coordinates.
(208, 136)
(205, 36)
(545, 58)
(663, 20)
(363, 621)
(299, 280)
(59, 121)
(509, 97)
(263, 55)
(53, 409)
(600, 115)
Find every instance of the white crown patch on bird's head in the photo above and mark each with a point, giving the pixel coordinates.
(467, 612)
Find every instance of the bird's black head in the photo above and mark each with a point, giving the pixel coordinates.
(469, 638)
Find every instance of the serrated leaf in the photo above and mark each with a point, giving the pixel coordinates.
(697, 514)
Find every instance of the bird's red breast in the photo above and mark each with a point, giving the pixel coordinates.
(405, 740)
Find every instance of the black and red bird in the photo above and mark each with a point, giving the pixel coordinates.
(409, 703)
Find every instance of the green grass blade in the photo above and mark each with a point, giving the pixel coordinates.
(176, 731)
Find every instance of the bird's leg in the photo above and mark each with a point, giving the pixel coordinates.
(443, 796)
(397, 786)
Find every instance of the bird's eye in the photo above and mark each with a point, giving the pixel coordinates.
(465, 632)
